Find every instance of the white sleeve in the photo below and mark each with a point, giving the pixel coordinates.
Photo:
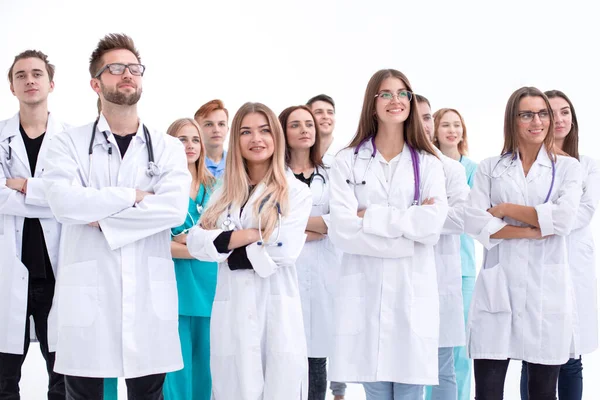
(200, 244)
(15, 203)
(267, 259)
(591, 195)
(458, 193)
(347, 232)
(158, 212)
(479, 223)
(72, 202)
(422, 224)
(558, 217)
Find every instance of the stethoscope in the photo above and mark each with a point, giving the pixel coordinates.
(199, 208)
(228, 225)
(415, 163)
(317, 175)
(513, 158)
(9, 160)
(153, 169)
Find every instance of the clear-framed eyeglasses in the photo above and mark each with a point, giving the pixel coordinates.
(400, 95)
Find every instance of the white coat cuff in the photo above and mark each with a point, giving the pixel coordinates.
(327, 220)
(493, 226)
(201, 244)
(376, 221)
(544, 214)
(36, 194)
(261, 262)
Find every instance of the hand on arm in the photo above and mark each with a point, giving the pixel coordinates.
(525, 214)
(243, 238)
(179, 250)
(18, 184)
(517, 232)
(317, 225)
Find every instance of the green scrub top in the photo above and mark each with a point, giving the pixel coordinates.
(467, 245)
(196, 280)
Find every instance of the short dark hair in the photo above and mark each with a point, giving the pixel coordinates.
(422, 99)
(112, 41)
(321, 97)
(32, 54)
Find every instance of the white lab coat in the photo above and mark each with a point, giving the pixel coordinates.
(116, 295)
(582, 260)
(14, 208)
(257, 344)
(522, 306)
(447, 256)
(318, 269)
(387, 305)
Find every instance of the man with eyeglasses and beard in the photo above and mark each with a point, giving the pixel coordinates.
(117, 187)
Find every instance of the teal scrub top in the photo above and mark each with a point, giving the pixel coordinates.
(467, 245)
(196, 280)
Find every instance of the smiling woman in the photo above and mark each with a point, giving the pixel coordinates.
(522, 207)
(254, 227)
(388, 206)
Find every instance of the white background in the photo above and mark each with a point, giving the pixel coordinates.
(466, 55)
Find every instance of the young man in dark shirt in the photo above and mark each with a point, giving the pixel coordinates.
(29, 234)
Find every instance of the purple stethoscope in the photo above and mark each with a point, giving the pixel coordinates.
(513, 158)
(415, 163)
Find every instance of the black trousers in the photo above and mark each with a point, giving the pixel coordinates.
(39, 302)
(143, 388)
(317, 378)
(490, 376)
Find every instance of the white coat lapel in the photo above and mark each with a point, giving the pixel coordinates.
(53, 127)
(19, 153)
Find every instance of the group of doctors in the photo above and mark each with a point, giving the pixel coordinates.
(197, 273)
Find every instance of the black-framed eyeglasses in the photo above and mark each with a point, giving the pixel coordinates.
(388, 96)
(527, 116)
(119, 69)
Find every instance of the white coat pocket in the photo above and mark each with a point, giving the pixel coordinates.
(492, 290)
(78, 294)
(350, 305)
(163, 288)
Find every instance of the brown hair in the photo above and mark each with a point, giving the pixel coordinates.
(511, 142)
(463, 145)
(571, 143)
(414, 134)
(32, 54)
(204, 177)
(315, 151)
(211, 106)
(112, 41)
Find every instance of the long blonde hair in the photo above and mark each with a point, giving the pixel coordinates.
(205, 178)
(236, 182)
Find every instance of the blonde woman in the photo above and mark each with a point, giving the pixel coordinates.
(196, 280)
(254, 227)
(450, 136)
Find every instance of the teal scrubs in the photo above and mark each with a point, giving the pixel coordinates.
(196, 285)
(462, 363)
(110, 389)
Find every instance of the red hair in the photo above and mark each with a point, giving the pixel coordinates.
(209, 108)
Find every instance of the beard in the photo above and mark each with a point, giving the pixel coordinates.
(121, 99)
